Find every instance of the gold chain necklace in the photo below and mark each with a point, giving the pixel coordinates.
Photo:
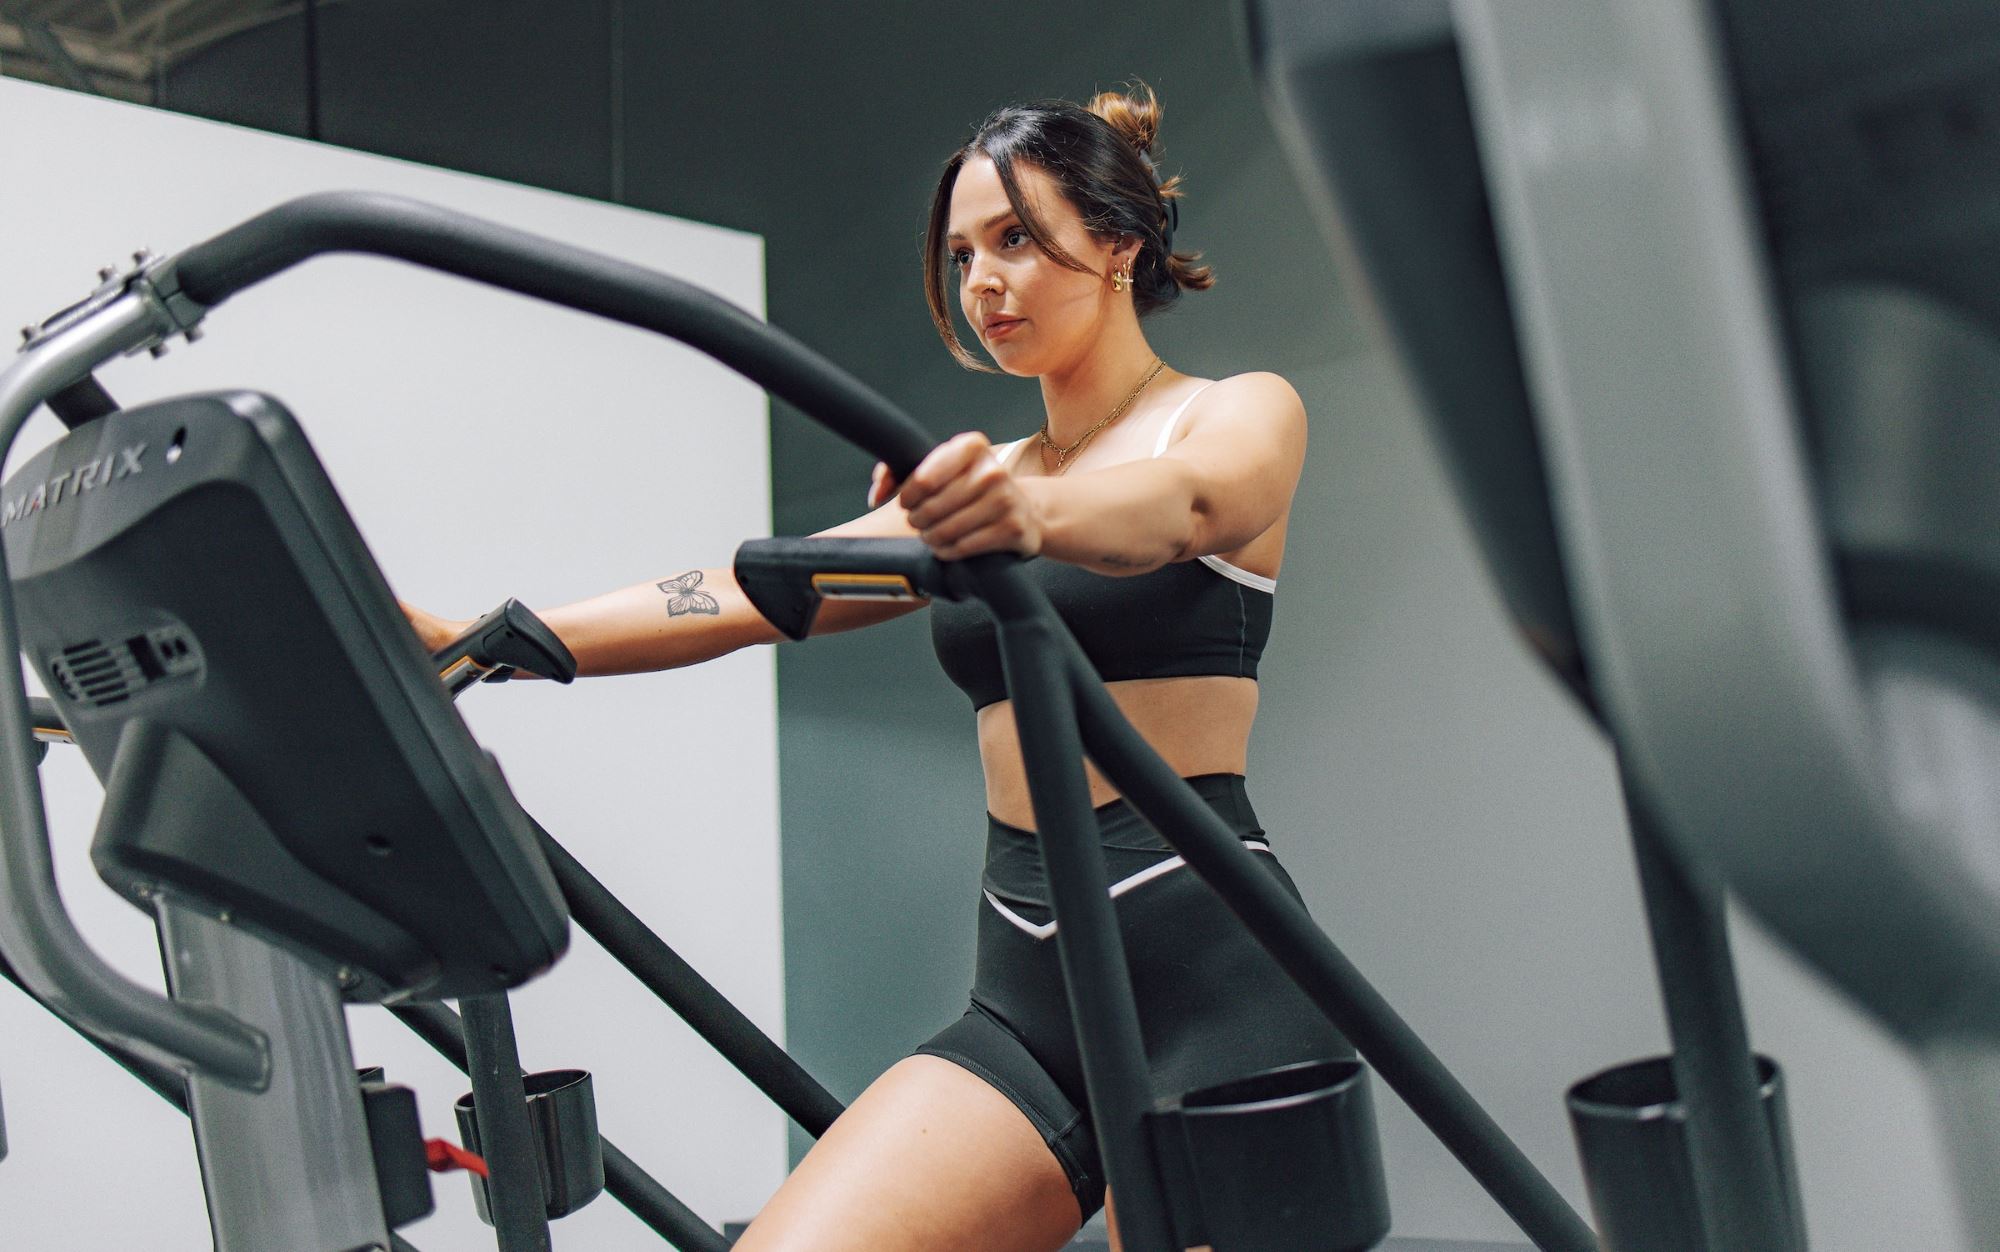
(1063, 454)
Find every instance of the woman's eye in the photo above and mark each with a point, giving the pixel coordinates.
(1013, 237)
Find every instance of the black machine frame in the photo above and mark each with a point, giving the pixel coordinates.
(1062, 707)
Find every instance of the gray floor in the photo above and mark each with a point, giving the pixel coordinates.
(1395, 1245)
(1092, 1239)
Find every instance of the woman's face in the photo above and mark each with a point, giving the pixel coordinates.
(1032, 314)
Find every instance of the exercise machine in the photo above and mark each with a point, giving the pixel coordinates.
(162, 689)
(1714, 380)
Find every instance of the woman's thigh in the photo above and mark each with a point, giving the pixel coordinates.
(929, 1159)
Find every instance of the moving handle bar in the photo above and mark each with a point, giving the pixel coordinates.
(156, 300)
(507, 641)
(512, 639)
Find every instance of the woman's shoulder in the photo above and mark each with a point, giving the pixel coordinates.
(1257, 396)
(1252, 385)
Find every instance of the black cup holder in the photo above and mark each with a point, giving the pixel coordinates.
(1286, 1160)
(1631, 1136)
(562, 1111)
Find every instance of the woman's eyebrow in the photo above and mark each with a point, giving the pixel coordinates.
(988, 224)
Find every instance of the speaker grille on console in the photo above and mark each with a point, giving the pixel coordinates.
(97, 673)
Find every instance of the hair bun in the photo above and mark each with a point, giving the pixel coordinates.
(1134, 113)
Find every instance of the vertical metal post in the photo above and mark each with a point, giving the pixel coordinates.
(1732, 1156)
(289, 1166)
(1095, 975)
(506, 1140)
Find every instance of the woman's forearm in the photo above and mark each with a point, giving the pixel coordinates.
(692, 617)
(666, 623)
(1126, 519)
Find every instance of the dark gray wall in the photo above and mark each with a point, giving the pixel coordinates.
(1449, 816)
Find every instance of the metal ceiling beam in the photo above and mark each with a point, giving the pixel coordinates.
(79, 46)
(149, 26)
(245, 17)
(114, 88)
(87, 44)
(43, 43)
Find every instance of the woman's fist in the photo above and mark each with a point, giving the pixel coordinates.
(963, 502)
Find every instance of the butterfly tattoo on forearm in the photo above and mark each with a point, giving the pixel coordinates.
(683, 596)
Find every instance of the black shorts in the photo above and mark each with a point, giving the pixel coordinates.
(1213, 1005)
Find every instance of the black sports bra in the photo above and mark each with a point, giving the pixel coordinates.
(1197, 617)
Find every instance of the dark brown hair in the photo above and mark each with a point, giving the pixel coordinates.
(1101, 157)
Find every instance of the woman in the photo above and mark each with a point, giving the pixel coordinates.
(1158, 505)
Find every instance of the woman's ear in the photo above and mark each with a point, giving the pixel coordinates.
(1125, 254)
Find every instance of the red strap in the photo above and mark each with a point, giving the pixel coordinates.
(444, 1157)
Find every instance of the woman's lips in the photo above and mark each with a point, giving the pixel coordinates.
(1000, 328)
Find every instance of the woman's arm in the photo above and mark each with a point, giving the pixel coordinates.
(694, 616)
(702, 614)
(1229, 479)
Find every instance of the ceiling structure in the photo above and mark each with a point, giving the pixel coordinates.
(119, 48)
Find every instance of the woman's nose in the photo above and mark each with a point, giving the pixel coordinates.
(985, 277)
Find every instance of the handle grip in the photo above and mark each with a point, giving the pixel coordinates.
(508, 639)
(788, 579)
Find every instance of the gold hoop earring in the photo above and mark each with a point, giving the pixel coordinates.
(1120, 280)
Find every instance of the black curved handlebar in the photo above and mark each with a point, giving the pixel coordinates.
(577, 278)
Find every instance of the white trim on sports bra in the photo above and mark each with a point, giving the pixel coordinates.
(1236, 573)
(1167, 431)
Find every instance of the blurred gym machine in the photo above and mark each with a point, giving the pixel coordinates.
(1698, 301)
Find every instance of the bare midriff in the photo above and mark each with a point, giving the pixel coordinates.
(1199, 725)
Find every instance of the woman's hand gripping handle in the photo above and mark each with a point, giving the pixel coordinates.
(962, 502)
